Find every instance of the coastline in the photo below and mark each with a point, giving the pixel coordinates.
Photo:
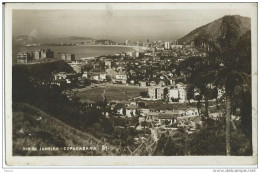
(136, 48)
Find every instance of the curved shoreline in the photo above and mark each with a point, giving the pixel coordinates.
(137, 48)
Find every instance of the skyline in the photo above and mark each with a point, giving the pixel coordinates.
(115, 24)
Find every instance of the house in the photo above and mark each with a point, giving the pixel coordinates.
(95, 77)
(166, 119)
(142, 83)
(120, 78)
(152, 83)
(108, 63)
(162, 83)
(64, 77)
(85, 74)
(102, 76)
(191, 111)
(144, 112)
(131, 110)
(129, 54)
(221, 92)
(172, 80)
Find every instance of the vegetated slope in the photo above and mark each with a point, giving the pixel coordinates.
(213, 29)
(41, 71)
(34, 128)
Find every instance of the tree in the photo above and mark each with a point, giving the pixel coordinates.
(230, 73)
(144, 124)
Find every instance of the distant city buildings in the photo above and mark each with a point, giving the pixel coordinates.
(68, 57)
(24, 57)
(30, 57)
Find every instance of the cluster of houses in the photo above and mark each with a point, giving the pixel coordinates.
(25, 57)
(159, 116)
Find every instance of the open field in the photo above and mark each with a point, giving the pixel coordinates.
(111, 92)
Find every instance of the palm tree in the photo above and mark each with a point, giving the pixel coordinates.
(230, 73)
(197, 69)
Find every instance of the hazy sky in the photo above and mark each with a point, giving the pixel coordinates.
(115, 24)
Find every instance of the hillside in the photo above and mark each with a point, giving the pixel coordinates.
(104, 42)
(34, 128)
(41, 71)
(213, 30)
(79, 38)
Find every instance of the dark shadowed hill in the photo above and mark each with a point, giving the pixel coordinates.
(213, 29)
(42, 71)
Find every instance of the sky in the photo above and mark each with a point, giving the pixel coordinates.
(116, 24)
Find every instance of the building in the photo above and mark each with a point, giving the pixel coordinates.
(131, 110)
(191, 111)
(166, 119)
(24, 57)
(177, 93)
(137, 54)
(85, 74)
(129, 54)
(144, 112)
(67, 78)
(160, 93)
(167, 45)
(102, 76)
(108, 63)
(76, 66)
(182, 94)
(37, 54)
(120, 78)
(95, 77)
(43, 53)
(156, 93)
(221, 92)
(49, 53)
(68, 57)
(173, 93)
(142, 83)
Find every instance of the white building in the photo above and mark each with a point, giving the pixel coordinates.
(221, 92)
(85, 74)
(174, 93)
(167, 45)
(102, 76)
(191, 111)
(137, 54)
(178, 92)
(120, 78)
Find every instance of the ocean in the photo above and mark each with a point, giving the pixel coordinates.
(79, 51)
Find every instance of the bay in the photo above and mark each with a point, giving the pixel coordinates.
(79, 51)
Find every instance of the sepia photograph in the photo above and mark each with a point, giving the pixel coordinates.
(162, 81)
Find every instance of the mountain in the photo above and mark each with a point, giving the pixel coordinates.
(213, 29)
(104, 42)
(79, 38)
